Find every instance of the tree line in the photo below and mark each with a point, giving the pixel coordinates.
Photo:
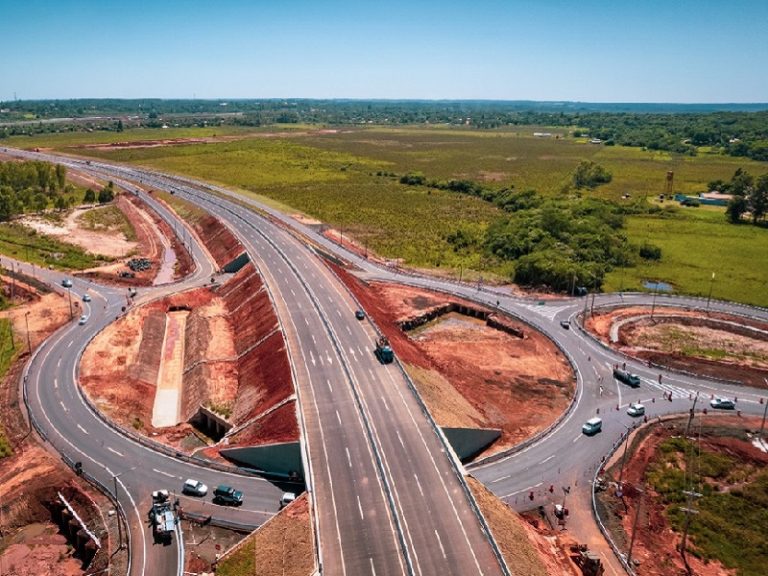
(33, 186)
(750, 196)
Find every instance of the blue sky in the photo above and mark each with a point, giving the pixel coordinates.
(587, 50)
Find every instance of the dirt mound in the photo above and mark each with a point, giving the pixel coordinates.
(717, 345)
(468, 373)
(221, 243)
(279, 425)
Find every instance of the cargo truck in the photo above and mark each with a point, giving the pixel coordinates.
(384, 351)
(162, 516)
(627, 377)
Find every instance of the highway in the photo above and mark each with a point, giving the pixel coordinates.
(389, 496)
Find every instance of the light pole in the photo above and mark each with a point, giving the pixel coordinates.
(117, 509)
(69, 293)
(624, 456)
(653, 302)
(29, 341)
(765, 410)
(709, 296)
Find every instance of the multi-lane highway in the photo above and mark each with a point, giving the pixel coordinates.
(389, 497)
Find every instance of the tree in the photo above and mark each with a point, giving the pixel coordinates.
(758, 199)
(39, 202)
(589, 174)
(61, 176)
(737, 206)
(106, 194)
(60, 202)
(741, 182)
(89, 197)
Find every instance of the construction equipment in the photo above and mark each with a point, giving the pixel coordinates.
(384, 351)
(589, 562)
(162, 516)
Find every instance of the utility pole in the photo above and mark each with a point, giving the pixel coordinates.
(765, 410)
(634, 526)
(688, 511)
(690, 415)
(709, 296)
(624, 456)
(69, 292)
(653, 303)
(29, 341)
(119, 523)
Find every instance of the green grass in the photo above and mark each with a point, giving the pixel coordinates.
(332, 177)
(239, 563)
(108, 218)
(7, 356)
(26, 244)
(696, 242)
(732, 519)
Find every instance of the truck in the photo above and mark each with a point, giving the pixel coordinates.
(161, 516)
(384, 351)
(627, 377)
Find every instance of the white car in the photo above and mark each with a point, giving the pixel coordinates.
(86, 297)
(286, 499)
(722, 403)
(83, 319)
(67, 283)
(194, 488)
(636, 409)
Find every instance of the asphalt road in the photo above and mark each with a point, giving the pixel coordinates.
(388, 498)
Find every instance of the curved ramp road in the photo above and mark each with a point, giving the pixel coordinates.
(388, 495)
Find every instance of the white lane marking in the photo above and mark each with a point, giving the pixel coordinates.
(384, 400)
(577, 437)
(70, 344)
(348, 330)
(83, 429)
(418, 485)
(338, 417)
(115, 452)
(294, 293)
(329, 386)
(313, 340)
(441, 545)
(360, 508)
(58, 364)
(400, 438)
(351, 351)
(349, 458)
(360, 350)
(502, 478)
(163, 473)
(373, 570)
(548, 458)
(64, 407)
(312, 357)
(55, 382)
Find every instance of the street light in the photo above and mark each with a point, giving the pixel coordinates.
(709, 296)
(624, 456)
(653, 303)
(69, 292)
(117, 509)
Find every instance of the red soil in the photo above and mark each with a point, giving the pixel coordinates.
(278, 426)
(219, 241)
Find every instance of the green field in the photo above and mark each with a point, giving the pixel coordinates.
(7, 355)
(336, 176)
(107, 218)
(25, 244)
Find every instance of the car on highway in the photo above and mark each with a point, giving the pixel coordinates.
(228, 496)
(565, 324)
(636, 409)
(286, 499)
(722, 403)
(67, 283)
(194, 488)
(86, 297)
(83, 319)
(360, 315)
(592, 426)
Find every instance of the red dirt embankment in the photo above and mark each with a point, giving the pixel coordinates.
(219, 241)
(469, 374)
(264, 372)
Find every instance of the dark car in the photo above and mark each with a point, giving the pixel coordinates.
(360, 315)
(565, 324)
(228, 496)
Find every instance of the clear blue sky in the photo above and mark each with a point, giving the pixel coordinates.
(587, 50)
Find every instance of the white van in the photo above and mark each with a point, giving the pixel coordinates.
(592, 426)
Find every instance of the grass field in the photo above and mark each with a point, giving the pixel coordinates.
(25, 244)
(731, 523)
(7, 355)
(332, 176)
(108, 218)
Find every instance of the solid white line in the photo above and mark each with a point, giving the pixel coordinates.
(115, 451)
(373, 570)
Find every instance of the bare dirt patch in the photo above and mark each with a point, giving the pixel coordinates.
(281, 547)
(468, 373)
(524, 549)
(718, 345)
